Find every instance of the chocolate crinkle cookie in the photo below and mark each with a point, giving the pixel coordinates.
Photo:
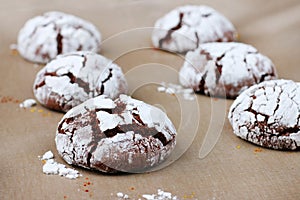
(225, 69)
(44, 37)
(268, 114)
(72, 78)
(124, 135)
(185, 27)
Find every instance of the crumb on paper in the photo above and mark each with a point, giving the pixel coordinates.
(132, 188)
(27, 103)
(257, 150)
(14, 49)
(189, 196)
(171, 88)
(51, 167)
(9, 99)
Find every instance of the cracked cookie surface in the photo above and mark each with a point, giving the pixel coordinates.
(72, 78)
(122, 135)
(225, 69)
(44, 37)
(268, 114)
(185, 27)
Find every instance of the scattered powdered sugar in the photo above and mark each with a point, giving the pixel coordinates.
(27, 103)
(171, 88)
(48, 155)
(120, 195)
(160, 195)
(51, 167)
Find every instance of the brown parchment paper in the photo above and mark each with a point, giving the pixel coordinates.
(232, 169)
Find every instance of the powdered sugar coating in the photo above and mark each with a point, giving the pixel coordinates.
(185, 27)
(126, 135)
(44, 37)
(268, 114)
(72, 78)
(225, 69)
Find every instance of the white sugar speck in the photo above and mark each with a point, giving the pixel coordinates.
(48, 155)
(27, 103)
(171, 88)
(51, 167)
(161, 195)
(120, 195)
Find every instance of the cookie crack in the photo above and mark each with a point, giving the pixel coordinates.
(278, 101)
(161, 137)
(262, 78)
(219, 66)
(120, 107)
(250, 70)
(137, 117)
(114, 131)
(67, 121)
(105, 80)
(287, 131)
(73, 79)
(84, 85)
(197, 40)
(201, 86)
(72, 131)
(59, 42)
(97, 135)
(206, 15)
(207, 54)
(87, 30)
(264, 125)
(168, 36)
(84, 60)
(81, 83)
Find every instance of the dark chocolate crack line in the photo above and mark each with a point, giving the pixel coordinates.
(168, 36)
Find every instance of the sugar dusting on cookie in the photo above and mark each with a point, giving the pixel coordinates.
(225, 69)
(132, 135)
(268, 114)
(72, 78)
(185, 27)
(44, 37)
